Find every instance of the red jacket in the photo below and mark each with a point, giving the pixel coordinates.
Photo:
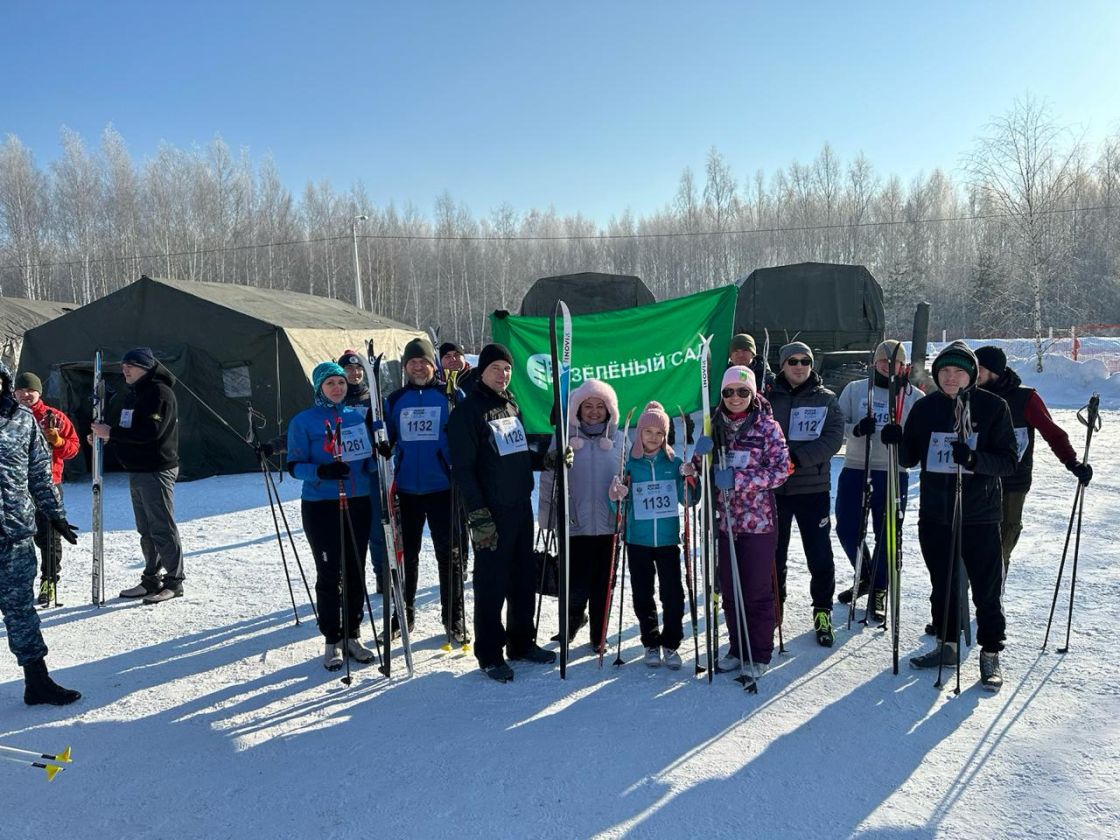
(67, 440)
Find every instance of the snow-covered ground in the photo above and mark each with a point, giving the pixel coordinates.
(212, 717)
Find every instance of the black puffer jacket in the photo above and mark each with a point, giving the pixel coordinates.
(145, 435)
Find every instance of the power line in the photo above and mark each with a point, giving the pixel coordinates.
(436, 237)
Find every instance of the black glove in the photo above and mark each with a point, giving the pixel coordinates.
(963, 455)
(891, 434)
(793, 459)
(1084, 472)
(70, 532)
(866, 426)
(334, 471)
(484, 533)
(385, 449)
(264, 450)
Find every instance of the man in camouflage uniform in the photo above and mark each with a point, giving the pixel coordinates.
(25, 483)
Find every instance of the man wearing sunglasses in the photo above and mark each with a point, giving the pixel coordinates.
(814, 428)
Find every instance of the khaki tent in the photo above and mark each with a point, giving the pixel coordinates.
(230, 347)
(17, 316)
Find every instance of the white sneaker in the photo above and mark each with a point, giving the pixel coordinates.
(358, 652)
(332, 657)
(672, 660)
(728, 663)
(761, 668)
(653, 657)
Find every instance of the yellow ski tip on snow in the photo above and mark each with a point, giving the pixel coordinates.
(445, 647)
(64, 756)
(52, 771)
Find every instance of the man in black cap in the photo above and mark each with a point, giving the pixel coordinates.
(932, 436)
(492, 465)
(1028, 413)
(742, 351)
(145, 440)
(454, 363)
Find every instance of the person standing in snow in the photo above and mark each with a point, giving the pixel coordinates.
(492, 466)
(1028, 414)
(145, 440)
(597, 444)
(858, 425)
(63, 441)
(416, 416)
(454, 363)
(814, 429)
(313, 459)
(655, 476)
(26, 485)
(756, 463)
(742, 352)
(931, 438)
(357, 389)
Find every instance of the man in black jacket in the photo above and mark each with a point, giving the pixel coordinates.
(145, 441)
(933, 436)
(492, 465)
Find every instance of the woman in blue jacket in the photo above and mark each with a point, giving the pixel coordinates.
(326, 468)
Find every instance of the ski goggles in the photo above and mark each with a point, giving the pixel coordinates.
(728, 393)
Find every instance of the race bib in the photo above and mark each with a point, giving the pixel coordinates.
(878, 410)
(419, 424)
(740, 459)
(509, 436)
(654, 499)
(939, 459)
(126, 418)
(355, 443)
(1021, 442)
(806, 422)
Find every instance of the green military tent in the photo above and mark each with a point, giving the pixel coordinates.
(585, 293)
(231, 348)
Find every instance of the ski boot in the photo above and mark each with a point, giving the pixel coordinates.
(822, 624)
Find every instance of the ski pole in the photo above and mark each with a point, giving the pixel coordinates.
(292, 544)
(51, 770)
(1092, 422)
(63, 757)
(621, 606)
(279, 539)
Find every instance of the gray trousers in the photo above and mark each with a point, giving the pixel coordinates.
(153, 504)
(17, 600)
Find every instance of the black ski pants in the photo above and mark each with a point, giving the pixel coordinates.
(983, 562)
(590, 571)
(436, 509)
(813, 514)
(664, 564)
(321, 526)
(505, 576)
(49, 542)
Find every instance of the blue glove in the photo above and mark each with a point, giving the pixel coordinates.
(704, 446)
(724, 478)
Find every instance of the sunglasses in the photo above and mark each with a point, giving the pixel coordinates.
(799, 361)
(728, 393)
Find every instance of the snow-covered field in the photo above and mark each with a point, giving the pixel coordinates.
(212, 717)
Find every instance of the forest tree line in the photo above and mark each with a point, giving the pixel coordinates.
(1024, 236)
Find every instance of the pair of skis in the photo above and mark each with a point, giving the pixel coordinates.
(457, 570)
(97, 468)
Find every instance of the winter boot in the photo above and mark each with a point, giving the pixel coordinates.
(822, 624)
(332, 657)
(358, 652)
(991, 676)
(532, 653)
(727, 663)
(761, 668)
(879, 605)
(845, 597)
(166, 592)
(47, 592)
(931, 630)
(935, 658)
(40, 688)
(148, 586)
(499, 673)
(653, 657)
(672, 660)
(575, 624)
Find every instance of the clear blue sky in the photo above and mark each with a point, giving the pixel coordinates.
(590, 106)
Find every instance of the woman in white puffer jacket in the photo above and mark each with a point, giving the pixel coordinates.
(597, 444)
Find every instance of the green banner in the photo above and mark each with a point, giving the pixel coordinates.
(645, 353)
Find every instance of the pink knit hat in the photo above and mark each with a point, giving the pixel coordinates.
(739, 376)
(653, 417)
(593, 389)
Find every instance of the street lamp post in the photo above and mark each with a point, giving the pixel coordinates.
(358, 301)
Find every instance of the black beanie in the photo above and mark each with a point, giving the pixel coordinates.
(349, 358)
(141, 357)
(493, 353)
(959, 355)
(419, 348)
(449, 347)
(993, 359)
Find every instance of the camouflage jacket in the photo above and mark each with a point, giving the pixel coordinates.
(25, 469)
